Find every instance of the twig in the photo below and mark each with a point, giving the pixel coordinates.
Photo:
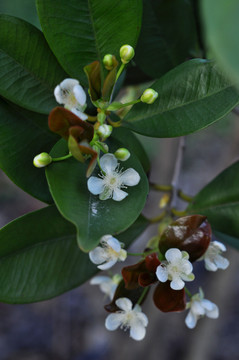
(177, 169)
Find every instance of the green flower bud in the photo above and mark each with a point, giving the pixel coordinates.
(104, 131)
(122, 154)
(108, 61)
(42, 160)
(149, 96)
(126, 53)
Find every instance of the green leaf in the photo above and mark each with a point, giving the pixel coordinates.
(219, 201)
(82, 31)
(28, 69)
(130, 141)
(40, 259)
(192, 96)
(230, 240)
(92, 217)
(167, 36)
(23, 135)
(223, 40)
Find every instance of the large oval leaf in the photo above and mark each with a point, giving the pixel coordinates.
(92, 217)
(192, 96)
(219, 201)
(40, 259)
(28, 69)
(167, 36)
(223, 40)
(81, 31)
(23, 135)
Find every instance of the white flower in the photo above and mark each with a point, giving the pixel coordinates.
(213, 258)
(112, 180)
(71, 94)
(177, 268)
(107, 284)
(200, 307)
(108, 253)
(128, 318)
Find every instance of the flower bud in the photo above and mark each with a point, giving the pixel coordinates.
(149, 96)
(108, 61)
(126, 53)
(122, 154)
(42, 160)
(104, 131)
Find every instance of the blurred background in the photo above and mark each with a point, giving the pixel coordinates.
(71, 326)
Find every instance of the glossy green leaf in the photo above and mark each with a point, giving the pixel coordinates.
(221, 32)
(192, 96)
(167, 36)
(29, 71)
(92, 217)
(23, 135)
(82, 31)
(130, 141)
(219, 201)
(40, 259)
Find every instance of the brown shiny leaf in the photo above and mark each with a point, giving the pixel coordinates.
(190, 233)
(120, 292)
(93, 74)
(60, 120)
(167, 299)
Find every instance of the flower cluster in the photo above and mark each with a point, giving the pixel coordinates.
(169, 270)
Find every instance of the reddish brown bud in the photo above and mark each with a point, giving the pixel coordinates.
(167, 299)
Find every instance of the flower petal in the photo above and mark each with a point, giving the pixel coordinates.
(173, 255)
(221, 262)
(114, 244)
(119, 195)
(209, 265)
(212, 310)
(106, 194)
(107, 265)
(137, 331)
(108, 163)
(177, 284)
(113, 321)
(191, 320)
(219, 245)
(124, 304)
(197, 308)
(80, 94)
(58, 95)
(95, 185)
(79, 113)
(130, 177)
(98, 255)
(162, 273)
(68, 84)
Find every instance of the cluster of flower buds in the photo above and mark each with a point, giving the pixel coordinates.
(88, 141)
(169, 266)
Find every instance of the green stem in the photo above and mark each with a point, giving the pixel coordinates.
(184, 197)
(142, 295)
(119, 71)
(178, 212)
(188, 292)
(101, 147)
(161, 187)
(62, 157)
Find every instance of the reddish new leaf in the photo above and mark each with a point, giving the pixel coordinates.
(189, 233)
(61, 120)
(167, 299)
